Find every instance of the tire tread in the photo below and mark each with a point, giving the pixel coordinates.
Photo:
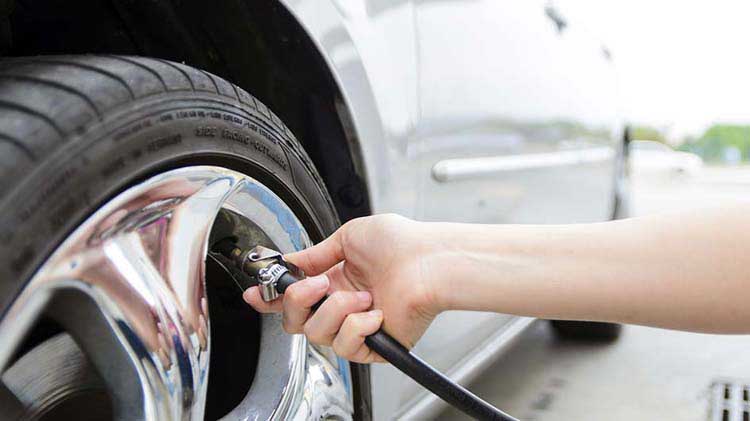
(36, 114)
(64, 80)
(83, 65)
(143, 66)
(52, 84)
(16, 143)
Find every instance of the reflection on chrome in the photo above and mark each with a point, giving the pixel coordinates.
(129, 287)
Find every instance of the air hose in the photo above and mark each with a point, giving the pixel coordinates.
(274, 275)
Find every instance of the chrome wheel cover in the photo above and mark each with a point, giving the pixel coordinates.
(129, 286)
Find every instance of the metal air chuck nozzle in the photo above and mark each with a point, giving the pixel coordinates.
(268, 268)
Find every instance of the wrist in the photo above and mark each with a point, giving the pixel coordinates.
(421, 257)
(441, 264)
(468, 265)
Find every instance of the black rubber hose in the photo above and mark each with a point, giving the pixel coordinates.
(434, 381)
(411, 365)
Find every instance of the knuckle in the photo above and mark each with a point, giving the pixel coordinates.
(290, 295)
(293, 294)
(391, 224)
(309, 332)
(387, 219)
(353, 323)
(351, 271)
(339, 299)
(313, 335)
(342, 352)
(348, 225)
(361, 354)
(310, 262)
(336, 346)
(346, 239)
(285, 325)
(351, 230)
(289, 327)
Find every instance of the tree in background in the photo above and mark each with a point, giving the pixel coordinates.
(647, 133)
(721, 143)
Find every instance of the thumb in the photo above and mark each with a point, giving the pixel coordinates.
(320, 257)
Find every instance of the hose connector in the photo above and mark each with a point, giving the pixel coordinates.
(268, 268)
(268, 279)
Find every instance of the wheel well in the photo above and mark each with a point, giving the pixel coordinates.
(257, 44)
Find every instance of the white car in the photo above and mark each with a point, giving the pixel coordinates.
(648, 157)
(134, 135)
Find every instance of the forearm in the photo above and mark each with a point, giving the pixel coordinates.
(684, 271)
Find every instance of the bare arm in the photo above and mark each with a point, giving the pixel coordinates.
(688, 271)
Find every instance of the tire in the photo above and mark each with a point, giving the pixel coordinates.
(77, 130)
(587, 331)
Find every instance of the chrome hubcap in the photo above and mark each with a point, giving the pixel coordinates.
(128, 285)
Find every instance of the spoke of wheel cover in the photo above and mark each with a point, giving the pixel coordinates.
(130, 290)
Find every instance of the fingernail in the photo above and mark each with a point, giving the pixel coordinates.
(376, 314)
(318, 282)
(364, 297)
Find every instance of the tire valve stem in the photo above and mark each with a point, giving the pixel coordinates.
(266, 267)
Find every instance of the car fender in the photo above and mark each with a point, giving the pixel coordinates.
(358, 42)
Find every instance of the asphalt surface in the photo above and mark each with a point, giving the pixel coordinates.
(648, 374)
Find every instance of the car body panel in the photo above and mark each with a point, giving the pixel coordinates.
(498, 80)
(470, 111)
(654, 159)
(358, 41)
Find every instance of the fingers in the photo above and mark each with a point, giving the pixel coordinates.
(296, 303)
(299, 298)
(350, 341)
(338, 278)
(252, 297)
(323, 325)
(320, 257)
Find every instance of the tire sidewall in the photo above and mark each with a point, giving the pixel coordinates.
(144, 139)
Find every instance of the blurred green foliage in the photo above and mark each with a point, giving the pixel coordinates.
(647, 133)
(721, 143)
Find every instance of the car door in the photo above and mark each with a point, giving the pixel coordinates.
(516, 115)
(517, 124)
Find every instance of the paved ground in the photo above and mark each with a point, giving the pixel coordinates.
(648, 374)
(713, 186)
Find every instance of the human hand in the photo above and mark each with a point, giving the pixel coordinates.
(381, 262)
